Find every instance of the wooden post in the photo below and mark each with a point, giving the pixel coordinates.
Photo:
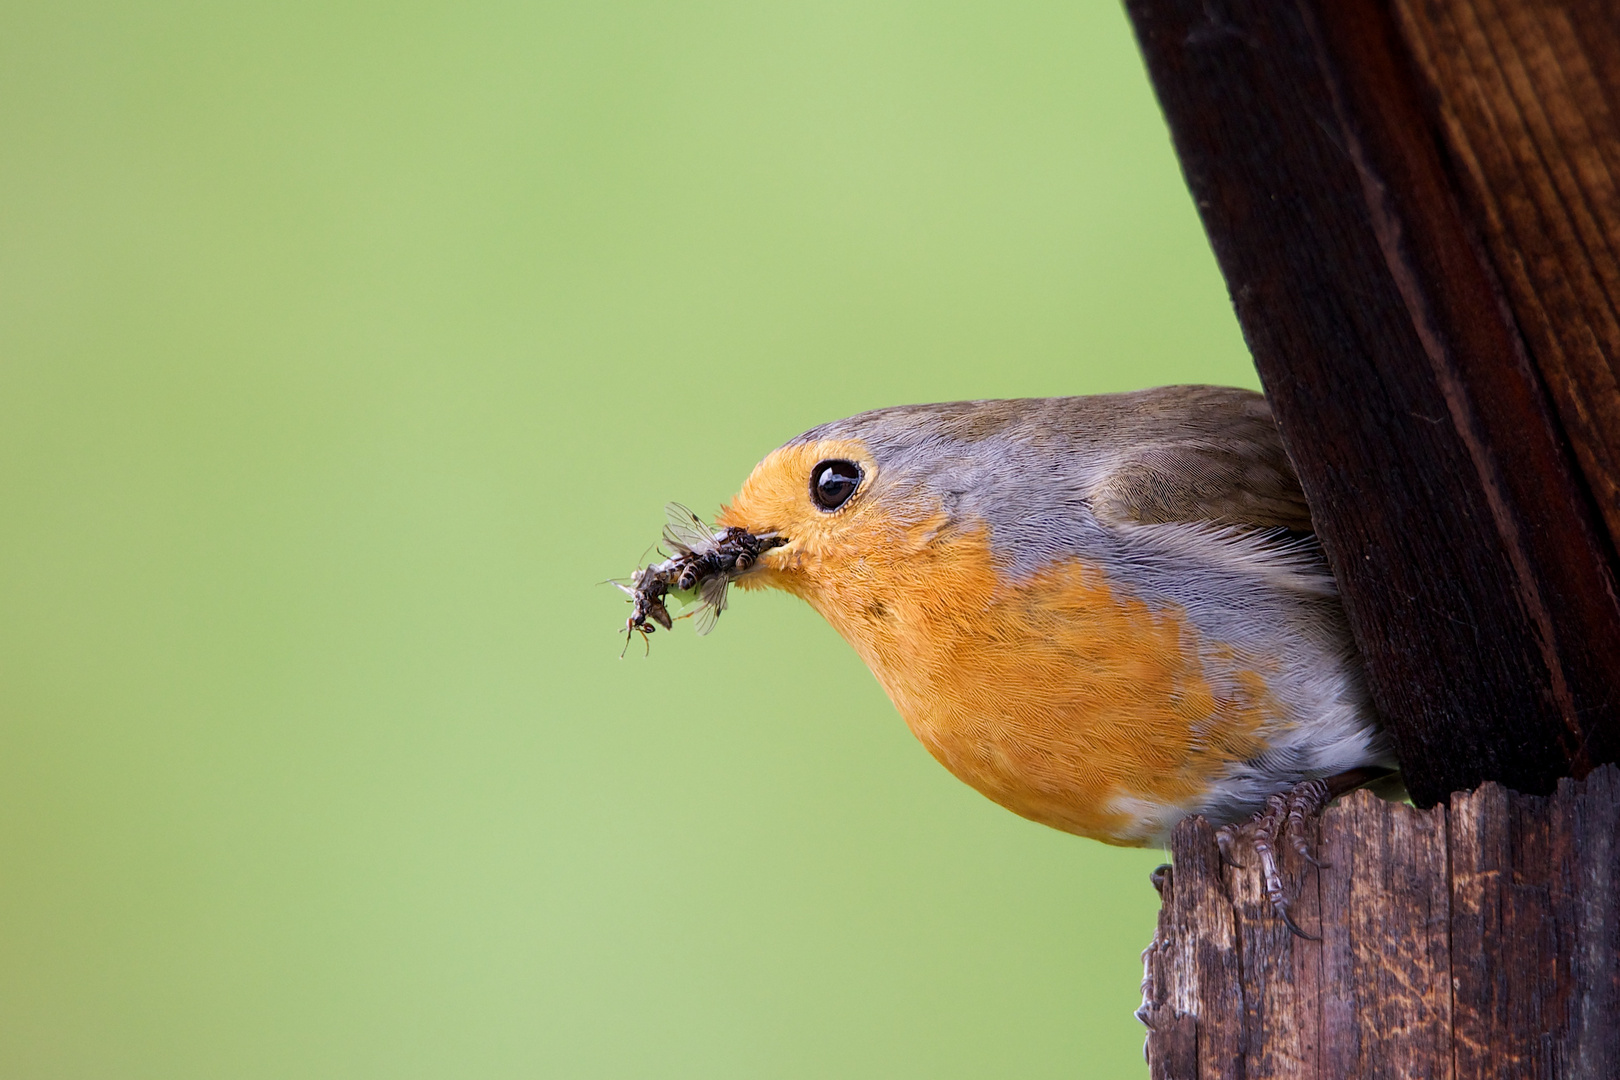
(1416, 206)
(1361, 251)
(1479, 938)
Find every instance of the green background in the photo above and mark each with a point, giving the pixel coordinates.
(344, 349)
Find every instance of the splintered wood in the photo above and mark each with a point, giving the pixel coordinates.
(1475, 939)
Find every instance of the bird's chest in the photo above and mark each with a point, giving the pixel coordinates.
(1062, 697)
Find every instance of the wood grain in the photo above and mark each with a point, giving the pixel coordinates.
(1476, 570)
(1477, 938)
(1525, 93)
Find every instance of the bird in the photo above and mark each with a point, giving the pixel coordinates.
(1106, 613)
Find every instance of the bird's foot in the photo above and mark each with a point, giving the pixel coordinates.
(1160, 879)
(1285, 816)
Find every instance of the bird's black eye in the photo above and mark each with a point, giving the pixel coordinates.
(833, 482)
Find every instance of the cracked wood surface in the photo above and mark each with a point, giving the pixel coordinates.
(1479, 938)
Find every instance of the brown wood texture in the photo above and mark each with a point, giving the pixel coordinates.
(1476, 570)
(1527, 97)
(1479, 938)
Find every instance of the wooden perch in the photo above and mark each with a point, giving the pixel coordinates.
(1480, 938)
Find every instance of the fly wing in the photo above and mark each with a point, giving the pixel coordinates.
(711, 602)
(685, 531)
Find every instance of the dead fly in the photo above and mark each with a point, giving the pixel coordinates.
(697, 575)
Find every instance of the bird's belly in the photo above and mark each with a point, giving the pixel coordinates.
(1067, 700)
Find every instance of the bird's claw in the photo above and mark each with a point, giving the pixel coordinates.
(1285, 815)
(1161, 879)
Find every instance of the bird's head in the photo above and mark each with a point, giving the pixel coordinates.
(822, 499)
(851, 500)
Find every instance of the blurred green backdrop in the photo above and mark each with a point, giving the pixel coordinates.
(344, 348)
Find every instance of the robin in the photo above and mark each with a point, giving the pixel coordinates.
(1104, 613)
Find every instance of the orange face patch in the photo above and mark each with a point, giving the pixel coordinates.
(1060, 697)
(776, 498)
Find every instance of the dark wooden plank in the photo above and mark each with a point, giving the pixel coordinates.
(1340, 1036)
(1524, 94)
(1474, 572)
(1591, 1045)
(1529, 948)
(1480, 860)
(1303, 1042)
(1550, 827)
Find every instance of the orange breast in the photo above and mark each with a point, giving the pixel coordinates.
(1062, 698)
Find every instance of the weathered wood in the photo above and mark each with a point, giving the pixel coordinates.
(1477, 938)
(1527, 97)
(1401, 974)
(1476, 571)
(1594, 1015)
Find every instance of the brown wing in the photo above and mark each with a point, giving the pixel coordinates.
(1224, 463)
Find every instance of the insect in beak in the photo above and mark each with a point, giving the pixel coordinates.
(697, 575)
